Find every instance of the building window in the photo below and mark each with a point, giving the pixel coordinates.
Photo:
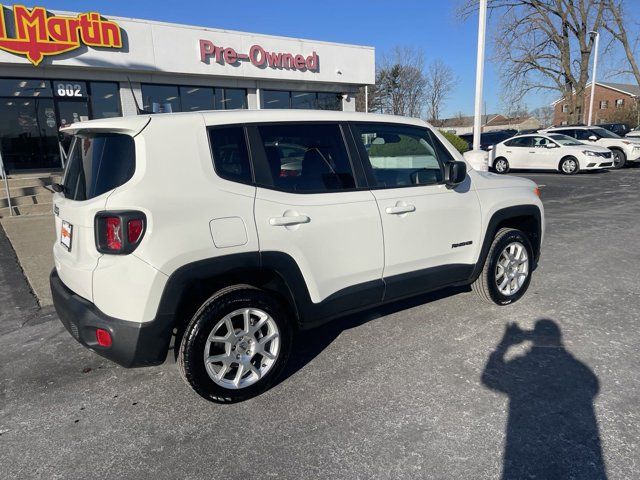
(329, 101)
(306, 100)
(193, 99)
(303, 100)
(620, 103)
(231, 98)
(16, 87)
(161, 98)
(173, 98)
(275, 99)
(565, 108)
(604, 104)
(105, 100)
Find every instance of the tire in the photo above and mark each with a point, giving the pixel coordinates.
(486, 285)
(569, 166)
(501, 165)
(228, 307)
(619, 159)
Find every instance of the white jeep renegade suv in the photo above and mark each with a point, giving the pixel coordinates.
(226, 232)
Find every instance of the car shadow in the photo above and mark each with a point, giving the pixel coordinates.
(552, 431)
(310, 343)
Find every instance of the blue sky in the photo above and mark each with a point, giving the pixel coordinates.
(428, 24)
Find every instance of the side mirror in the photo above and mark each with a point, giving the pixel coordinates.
(454, 173)
(552, 145)
(489, 148)
(593, 138)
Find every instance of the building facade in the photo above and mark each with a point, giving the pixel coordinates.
(613, 102)
(57, 68)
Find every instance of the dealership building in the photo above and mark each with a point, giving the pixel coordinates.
(57, 68)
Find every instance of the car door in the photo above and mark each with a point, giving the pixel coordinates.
(317, 211)
(542, 156)
(518, 152)
(430, 231)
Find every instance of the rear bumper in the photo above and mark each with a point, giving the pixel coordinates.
(133, 344)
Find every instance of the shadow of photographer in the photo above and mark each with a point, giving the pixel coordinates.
(552, 431)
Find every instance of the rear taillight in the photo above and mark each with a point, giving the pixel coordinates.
(114, 233)
(135, 228)
(119, 233)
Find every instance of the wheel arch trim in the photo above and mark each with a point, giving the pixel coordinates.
(500, 217)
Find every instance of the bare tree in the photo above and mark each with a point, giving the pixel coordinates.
(374, 99)
(545, 45)
(544, 115)
(440, 82)
(401, 82)
(616, 25)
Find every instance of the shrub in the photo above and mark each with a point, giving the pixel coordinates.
(458, 143)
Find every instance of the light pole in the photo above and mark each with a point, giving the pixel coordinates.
(477, 158)
(593, 76)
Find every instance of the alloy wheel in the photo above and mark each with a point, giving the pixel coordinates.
(512, 269)
(242, 348)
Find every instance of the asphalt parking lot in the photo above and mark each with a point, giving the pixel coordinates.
(431, 388)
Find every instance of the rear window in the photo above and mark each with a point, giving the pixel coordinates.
(98, 163)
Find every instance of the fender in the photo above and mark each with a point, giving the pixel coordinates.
(503, 216)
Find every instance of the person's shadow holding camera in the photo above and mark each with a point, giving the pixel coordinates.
(552, 431)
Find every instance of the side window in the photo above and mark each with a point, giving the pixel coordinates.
(540, 142)
(402, 155)
(583, 134)
(306, 158)
(523, 142)
(230, 157)
(569, 132)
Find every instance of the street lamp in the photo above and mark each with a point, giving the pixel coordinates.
(478, 158)
(593, 76)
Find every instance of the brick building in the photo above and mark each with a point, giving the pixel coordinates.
(614, 102)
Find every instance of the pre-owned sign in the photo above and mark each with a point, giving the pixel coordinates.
(259, 57)
(38, 34)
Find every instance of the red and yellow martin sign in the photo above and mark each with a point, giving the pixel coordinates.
(37, 34)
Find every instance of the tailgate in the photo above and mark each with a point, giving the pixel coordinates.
(75, 264)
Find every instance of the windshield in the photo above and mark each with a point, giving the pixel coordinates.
(565, 140)
(604, 133)
(98, 163)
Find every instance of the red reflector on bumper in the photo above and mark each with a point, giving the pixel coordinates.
(103, 337)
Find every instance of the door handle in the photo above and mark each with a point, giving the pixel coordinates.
(400, 209)
(288, 221)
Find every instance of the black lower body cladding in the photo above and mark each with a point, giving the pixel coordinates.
(133, 344)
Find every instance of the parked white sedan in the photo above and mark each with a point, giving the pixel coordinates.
(550, 151)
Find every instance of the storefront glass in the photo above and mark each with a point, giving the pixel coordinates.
(172, 98)
(275, 99)
(105, 100)
(32, 111)
(28, 133)
(231, 98)
(161, 98)
(196, 98)
(307, 100)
